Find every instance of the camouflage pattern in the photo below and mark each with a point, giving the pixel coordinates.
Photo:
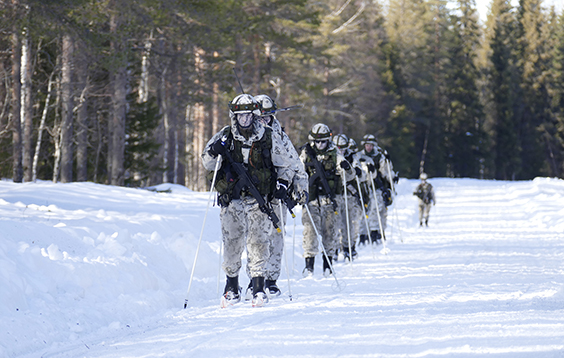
(325, 221)
(355, 219)
(276, 246)
(378, 206)
(242, 223)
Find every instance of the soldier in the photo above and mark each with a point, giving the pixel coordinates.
(426, 197)
(324, 165)
(297, 193)
(352, 202)
(254, 168)
(382, 183)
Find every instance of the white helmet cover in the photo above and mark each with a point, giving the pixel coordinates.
(423, 176)
(369, 139)
(266, 105)
(244, 103)
(341, 141)
(320, 131)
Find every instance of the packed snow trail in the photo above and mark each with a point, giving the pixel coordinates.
(486, 278)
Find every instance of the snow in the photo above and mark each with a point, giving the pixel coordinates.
(89, 270)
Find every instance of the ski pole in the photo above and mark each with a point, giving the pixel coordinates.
(219, 265)
(202, 231)
(284, 248)
(384, 250)
(347, 215)
(294, 247)
(395, 206)
(364, 213)
(320, 240)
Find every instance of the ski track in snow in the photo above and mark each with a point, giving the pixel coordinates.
(89, 270)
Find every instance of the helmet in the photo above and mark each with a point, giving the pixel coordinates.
(244, 103)
(341, 141)
(369, 139)
(320, 131)
(352, 145)
(423, 176)
(266, 105)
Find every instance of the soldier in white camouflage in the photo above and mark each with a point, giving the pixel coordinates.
(297, 193)
(382, 179)
(350, 205)
(250, 156)
(426, 195)
(324, 166)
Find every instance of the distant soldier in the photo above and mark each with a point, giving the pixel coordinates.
(254, 169)
(297, 193)
(324, 165)
(426, 197)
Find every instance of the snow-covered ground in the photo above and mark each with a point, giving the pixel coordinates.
(88, 270)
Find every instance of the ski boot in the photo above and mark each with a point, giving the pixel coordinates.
(232, 292)
(347, 253)
(308, 270)
(272, 289)
(259, 296)
(326, 266)
(363, 240)
(375, 237)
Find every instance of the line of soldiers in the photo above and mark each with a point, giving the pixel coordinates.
(259, 176)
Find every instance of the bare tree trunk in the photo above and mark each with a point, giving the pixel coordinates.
(7, 97)
(144, 82)
(42, 128)
(119, 82)
(16, 106)
(170, 123)
(27, 105)
(67, 103)
(56, 132)
(189, 137)
(200, 138)
(82, 120)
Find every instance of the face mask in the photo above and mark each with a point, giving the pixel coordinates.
(320, 144)
(245, 119)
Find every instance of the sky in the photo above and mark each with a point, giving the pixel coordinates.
(483, 6)
(90, 270)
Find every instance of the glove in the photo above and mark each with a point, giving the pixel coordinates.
(345, 165)
(304, 198)
(387, 196)
(371, 168)
(281, 189)
(217, 148)
(358, 171)
(396, 179)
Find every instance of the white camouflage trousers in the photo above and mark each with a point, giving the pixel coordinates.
(276, 246)
(242, 223)
(375, 208)
(424, 210)
(355, 219)
(326, 223)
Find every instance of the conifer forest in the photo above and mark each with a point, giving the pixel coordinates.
(128, 92)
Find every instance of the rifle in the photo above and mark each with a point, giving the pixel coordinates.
(320, 173)
(245, 182)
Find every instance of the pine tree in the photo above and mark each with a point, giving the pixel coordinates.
(503, 78)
